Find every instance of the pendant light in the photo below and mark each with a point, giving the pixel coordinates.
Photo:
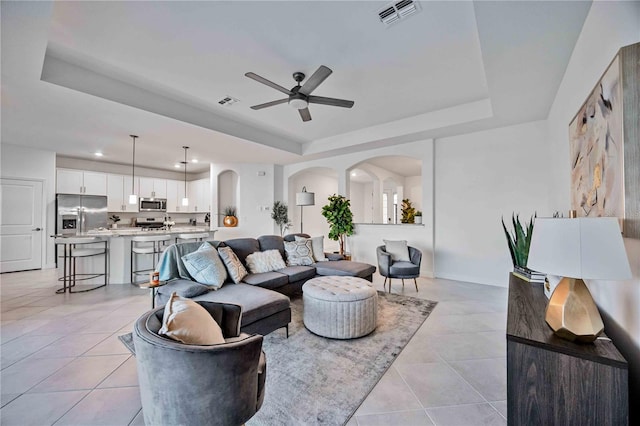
(185, 200)
(133, 198)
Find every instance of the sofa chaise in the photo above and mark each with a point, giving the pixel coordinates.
(263, 296)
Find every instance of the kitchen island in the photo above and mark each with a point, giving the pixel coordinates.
(119, 243)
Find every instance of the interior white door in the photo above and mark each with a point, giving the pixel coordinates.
(20, 225)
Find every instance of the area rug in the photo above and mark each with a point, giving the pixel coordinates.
(314, 380)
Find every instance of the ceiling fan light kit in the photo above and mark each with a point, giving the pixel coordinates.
(300, 96)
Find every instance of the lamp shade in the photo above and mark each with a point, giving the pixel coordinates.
(305, 198)
(586, 248)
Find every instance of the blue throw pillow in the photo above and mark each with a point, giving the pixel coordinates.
(205, 266)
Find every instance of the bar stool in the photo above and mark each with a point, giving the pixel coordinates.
(193, 237)
(149, 244)
(77, 247)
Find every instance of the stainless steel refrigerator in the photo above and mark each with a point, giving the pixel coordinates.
(77, 214)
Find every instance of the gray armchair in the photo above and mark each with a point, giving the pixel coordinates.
(190, 384)
(399, 269)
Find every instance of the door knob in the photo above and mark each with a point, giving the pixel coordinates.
(37, 229)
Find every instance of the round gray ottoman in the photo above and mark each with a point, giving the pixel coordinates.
(339, 307)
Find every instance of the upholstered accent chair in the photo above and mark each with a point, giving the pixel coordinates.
(197, 385)
(403, 270)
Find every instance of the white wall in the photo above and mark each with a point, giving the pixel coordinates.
(323, 183)
(413, 190)
(227, 192)
(358, 198)
(365, 242)
(26, 163)
(608, 27)
(255, 196)
(479, 178)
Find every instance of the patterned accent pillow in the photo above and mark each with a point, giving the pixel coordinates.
(265, 261)
(317, 246)
(299, 253)
(205, 266)
(236, 269)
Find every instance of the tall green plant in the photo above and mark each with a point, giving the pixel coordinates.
(338, 214)
(519, 240)
(280, 214)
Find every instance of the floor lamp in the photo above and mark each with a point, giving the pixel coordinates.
(304, 198)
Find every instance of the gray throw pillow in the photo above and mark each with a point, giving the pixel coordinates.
(398, 250)
(236, 269)
(205, 266)
(299, 253)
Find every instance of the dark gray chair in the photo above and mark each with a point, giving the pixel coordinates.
(197, 385)
(399, 269)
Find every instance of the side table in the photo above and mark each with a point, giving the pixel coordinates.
(154, 290)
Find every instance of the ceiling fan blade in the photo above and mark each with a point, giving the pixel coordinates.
(272, 103)
(263, 80)
(330, 101)
(315, 80)
(305, 114)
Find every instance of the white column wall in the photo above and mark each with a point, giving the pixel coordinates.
(255, 196)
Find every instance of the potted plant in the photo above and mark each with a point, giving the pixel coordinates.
(115, 219)
(418, 217)
(280, 214)
(230, 218)
(338, 214)
(408, 211)
(519, 241)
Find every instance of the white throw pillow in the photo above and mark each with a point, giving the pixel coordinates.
(317, 247)
(299, 253)
(187, 322)
(265, 261)
(236, 269)
(205, 266)
(398, 250)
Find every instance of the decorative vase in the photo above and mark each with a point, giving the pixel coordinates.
(114, 226)
(230, 221)
(418, 219)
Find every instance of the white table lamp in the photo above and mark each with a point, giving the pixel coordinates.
(577, 249)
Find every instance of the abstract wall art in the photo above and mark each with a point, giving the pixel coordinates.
(605, 146)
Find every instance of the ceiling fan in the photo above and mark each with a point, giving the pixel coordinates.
(300, 96)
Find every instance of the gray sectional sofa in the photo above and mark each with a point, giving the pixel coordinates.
(264, 296)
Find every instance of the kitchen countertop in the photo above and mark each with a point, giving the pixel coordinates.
(126, 232)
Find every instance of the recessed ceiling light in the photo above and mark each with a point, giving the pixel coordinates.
(98, 154)
(195, 160)
(353, 173)
(177, 165)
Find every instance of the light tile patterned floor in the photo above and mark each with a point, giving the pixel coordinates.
(62, 363)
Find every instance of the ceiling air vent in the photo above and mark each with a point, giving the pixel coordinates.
(396, 11)
(228, 101)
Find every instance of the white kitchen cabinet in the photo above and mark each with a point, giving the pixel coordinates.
(199, 201)
(81, 182)
(175, 194)
(118, 191)
(152, 187)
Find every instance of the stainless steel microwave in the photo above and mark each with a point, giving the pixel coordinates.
(153, 205)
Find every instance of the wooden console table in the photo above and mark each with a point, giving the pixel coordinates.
(551, 381)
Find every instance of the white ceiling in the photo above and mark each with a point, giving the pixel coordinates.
(81, 76)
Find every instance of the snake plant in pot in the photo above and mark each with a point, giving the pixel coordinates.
(519, 240)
